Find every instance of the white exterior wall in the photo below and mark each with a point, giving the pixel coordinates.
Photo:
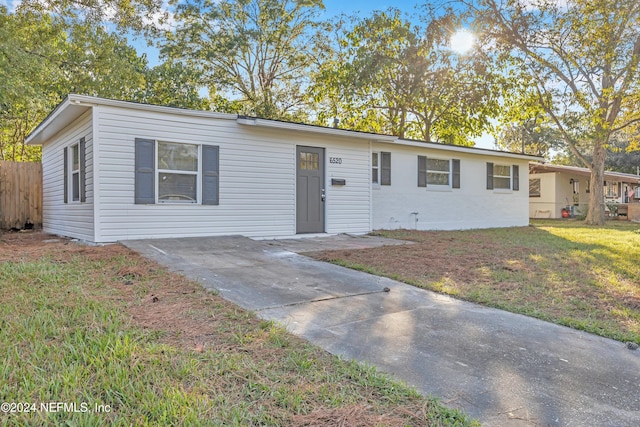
(470, 206)
(556, 193)
(545, 206)
(257, 179)
(73, 219)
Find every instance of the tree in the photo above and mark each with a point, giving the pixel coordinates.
(581, 58)
(43, 58)
(255, 51)
(391, 76)
(172, 84)
(533, 137)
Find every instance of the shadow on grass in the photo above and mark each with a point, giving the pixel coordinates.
(560, 271)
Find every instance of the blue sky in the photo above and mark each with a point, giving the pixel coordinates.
(332, 8)
(336, 7)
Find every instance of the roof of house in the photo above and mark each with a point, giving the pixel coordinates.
(574, 170)
(73, 106)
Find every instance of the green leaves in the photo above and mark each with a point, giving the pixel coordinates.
(388, 75)
(254, 51)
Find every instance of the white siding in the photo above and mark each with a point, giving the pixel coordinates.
(556, 193)
(73, 219)
(470, 206)
(348, 206)
(257, 179)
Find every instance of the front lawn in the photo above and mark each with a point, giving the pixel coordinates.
(98, 336)
(561, 271)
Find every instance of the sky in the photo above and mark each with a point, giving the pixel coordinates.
(332, 8)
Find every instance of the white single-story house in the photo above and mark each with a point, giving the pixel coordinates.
(115, 170)
(553, 188)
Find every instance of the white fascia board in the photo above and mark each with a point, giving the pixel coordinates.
(73, 106)
(299, 127)
(93, 101)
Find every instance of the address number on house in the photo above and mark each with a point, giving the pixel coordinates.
(335, 160)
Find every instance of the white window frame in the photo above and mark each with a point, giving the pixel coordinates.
(510, 177)
(375, 175)
(74, 173)
(449, 173)
(197, 174)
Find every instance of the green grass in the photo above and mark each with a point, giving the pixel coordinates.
(67, 335)
(565, 272)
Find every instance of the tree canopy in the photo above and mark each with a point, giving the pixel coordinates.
(580, 58)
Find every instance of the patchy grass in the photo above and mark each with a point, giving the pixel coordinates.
(118, 340)
(560, 271)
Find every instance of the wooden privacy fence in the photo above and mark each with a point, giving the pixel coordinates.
(20, 195)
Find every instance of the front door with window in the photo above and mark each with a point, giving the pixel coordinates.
(310, 190)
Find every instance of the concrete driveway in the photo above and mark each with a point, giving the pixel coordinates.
(503, 368)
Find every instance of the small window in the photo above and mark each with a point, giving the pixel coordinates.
(177, 172)
(534, 187)
(75, 172)
(375, 170)
(502, 177)
(309, 161)
(438, 171)
(385, 168)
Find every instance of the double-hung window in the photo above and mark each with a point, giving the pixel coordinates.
(177, 172)
(438, 172)
(375, 168)
(74, 172)
(503, 177)
(173, 172)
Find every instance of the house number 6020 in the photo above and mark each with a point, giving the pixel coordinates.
(336, 160)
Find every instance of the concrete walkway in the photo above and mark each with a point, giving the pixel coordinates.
(503, 368)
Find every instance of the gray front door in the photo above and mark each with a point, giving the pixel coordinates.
(310, 190)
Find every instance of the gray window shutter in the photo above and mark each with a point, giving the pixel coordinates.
(145, 187)
(489, 176)
(516, 178)
(210, 175)
(455, 176)
(65, 160)
(422, 171)
(81, 151)
(385, 168)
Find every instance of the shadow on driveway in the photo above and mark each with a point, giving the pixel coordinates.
(503, 368)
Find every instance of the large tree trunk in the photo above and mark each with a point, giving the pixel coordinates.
(595, 215)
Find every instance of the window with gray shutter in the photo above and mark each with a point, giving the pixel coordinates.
(489, 176)
(210, 175)
(83, 163)
(385, 168)
(455, 178)
(65, 161)
(145, 171)
(422, 171)
(516, 178)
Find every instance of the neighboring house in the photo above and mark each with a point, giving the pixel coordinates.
(115, 170)
(553, 188)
